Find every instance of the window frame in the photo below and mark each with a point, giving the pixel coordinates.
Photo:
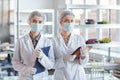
(99, 31)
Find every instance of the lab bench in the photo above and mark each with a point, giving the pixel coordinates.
(6, 54)
(88, 68)
(100, 70)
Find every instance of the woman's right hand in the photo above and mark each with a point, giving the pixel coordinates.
(38, 54)
(32, 70)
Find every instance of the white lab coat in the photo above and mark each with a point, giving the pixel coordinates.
(65, 69)
(24, 58)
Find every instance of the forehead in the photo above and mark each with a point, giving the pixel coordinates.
(68, 17)
(37, 18)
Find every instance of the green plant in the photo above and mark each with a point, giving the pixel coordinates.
(105, 40)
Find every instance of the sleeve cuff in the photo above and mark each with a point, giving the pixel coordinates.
(34, 70)
(72, 57)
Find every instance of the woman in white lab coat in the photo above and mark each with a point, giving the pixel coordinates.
(67, 66)
(28, 48)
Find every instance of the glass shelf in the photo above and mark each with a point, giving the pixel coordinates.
(99, 26)
(111, 44)
(115, 7)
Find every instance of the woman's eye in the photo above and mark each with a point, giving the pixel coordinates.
(71, 20)
(34, 21)
(40, 21)
(66, 21)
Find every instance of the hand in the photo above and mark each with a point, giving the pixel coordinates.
(78, 54)
(37, 54)
(89, 48)
(83, 52)
(82, 56)
(32, 70)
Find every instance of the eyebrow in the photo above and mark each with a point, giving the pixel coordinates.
(36, 20)
(69, 20)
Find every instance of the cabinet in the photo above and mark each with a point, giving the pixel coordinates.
(48, 25)
(110, 26)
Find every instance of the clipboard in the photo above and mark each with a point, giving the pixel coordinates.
(75, 50)
(40, 68)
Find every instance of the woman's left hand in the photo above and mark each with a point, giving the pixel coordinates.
(89, 48)
(82, 57)
(77, 54)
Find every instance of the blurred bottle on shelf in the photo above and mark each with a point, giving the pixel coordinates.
(112, 60)
(0, 46)
(5, 46)
(104, 59)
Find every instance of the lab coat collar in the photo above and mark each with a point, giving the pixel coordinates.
(62, 40)
(40, 43)
(29, 41)
(36, 38)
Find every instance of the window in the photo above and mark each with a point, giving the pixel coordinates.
(97, 15)
(81, 2)
(108, 15)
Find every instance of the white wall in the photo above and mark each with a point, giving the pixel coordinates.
(42, 4)
(60, 4)
(36, 4)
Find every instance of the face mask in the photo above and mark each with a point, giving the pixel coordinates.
(68, 27)
(36, 27)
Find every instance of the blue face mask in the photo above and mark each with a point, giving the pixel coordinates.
(68, 27)
(36, 27)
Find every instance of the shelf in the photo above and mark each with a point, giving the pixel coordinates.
(3, 45)
(99, 26)
(111, 44)
(10, 78)
(48, 35)
(45, 35)
(43, 10)
(23, 24)
(115, 7)
(49, 23)
(11, 23)
(107, 66)
(26, 24)
(6, 66)
(11, 10)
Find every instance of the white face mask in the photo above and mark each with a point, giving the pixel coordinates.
(36, 27)
(68, 26)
